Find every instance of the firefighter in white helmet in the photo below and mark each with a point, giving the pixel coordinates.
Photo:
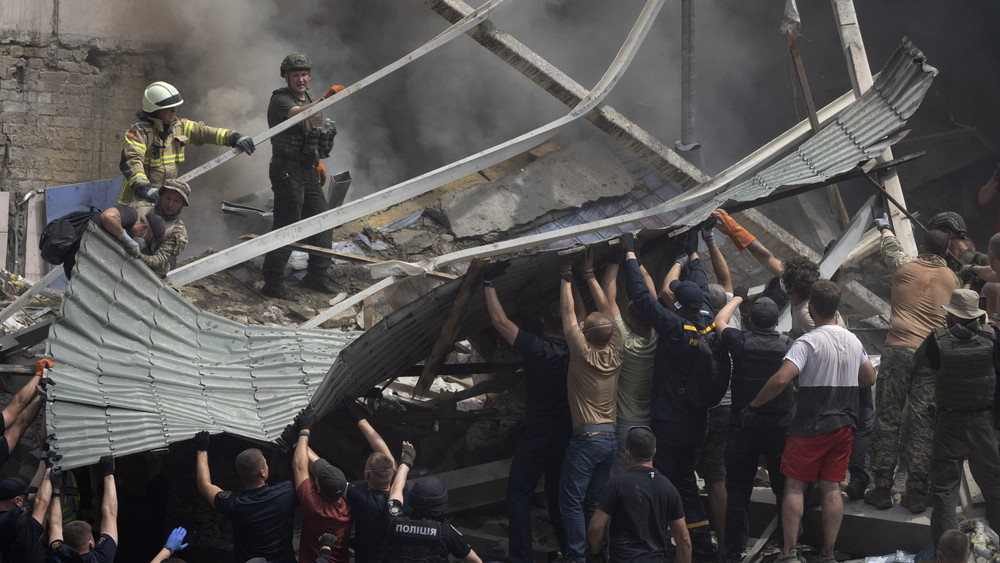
(153, 148)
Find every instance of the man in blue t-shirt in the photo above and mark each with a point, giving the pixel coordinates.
(262, 514)
(547, 426)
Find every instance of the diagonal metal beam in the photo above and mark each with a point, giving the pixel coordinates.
(426, 182)
(445, 36)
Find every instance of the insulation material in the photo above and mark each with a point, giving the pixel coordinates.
(138, 368)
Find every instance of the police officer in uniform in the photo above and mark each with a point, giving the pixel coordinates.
(420, 533)
(154, 143)
(962, 356)
(174, 197)
(297, 174)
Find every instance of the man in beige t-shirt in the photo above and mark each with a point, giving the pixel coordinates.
(595, 359)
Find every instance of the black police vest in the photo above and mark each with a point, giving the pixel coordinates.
(966, 380)
(762, 356)
(416, 540)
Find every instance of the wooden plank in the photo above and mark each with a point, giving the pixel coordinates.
(310, 249)
(449, 332)
(762, 540)
(862, 80)
(34, 267)
(347, 303)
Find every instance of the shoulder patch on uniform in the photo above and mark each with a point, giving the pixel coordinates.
(132, 132)
(224, 495)
(395, 510)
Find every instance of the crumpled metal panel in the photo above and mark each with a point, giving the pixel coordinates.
(138, 368)
(862, 131)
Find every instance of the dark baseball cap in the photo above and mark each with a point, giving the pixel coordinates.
(332, 482)
(687, 293)
(12, 487)
(764, 313)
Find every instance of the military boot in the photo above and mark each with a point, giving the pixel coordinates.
(318, 282)
(914, 500)
(879, 497)
(276, 288)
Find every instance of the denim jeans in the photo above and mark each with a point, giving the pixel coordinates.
(677, 452)
(621, 463)
(584, 474)
(743, 449)
(540, 451)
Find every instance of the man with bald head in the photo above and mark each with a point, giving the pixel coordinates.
(595, 360)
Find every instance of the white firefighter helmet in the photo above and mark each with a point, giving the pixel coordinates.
(160, 95)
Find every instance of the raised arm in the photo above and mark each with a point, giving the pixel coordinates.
(719, 265)
(989, 189)
(41, 504)
(596, 293)
(202, 473)
(741, 238)
(109, 503)
(300, 459)
(55, 510)
(610, 284)
(354, 412)
(726, 313)
(406, 459)
(498, 317)
(566, 304)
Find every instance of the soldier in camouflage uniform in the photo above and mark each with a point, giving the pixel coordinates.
(297, 174)
(921, 285)
(154, 143)
(173, 197)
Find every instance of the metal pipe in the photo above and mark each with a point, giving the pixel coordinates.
(687, 142)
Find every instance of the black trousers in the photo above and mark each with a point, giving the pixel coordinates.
(743, 449)
(961, 435)
(297, 195)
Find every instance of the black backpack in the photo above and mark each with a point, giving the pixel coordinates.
(707, 380)
(61, 237)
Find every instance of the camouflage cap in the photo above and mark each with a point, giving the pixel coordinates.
(179, 187)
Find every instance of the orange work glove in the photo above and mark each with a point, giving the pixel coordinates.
(740, 237)
(333, 90)
(40, 365)
(321, 173)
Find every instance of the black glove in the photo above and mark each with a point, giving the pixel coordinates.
(201, 441)
(107, 465)
(883, 222)
(289, 437)
(691, 242)
(741, 291)
(148, 193)
(408, 455)
(242, 142)
(327, 540)
(494, 270)
(305, 419)
(353, 411)
(628, 242)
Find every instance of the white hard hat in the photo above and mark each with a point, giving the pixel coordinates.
(160, 95)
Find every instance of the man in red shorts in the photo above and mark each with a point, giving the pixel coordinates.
(831, 364)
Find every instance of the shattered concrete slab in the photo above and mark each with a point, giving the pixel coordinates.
(583, 172)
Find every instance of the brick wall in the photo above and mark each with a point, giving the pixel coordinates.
(63, 110)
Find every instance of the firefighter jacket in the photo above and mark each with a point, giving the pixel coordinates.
(175, 238)
(152, 153)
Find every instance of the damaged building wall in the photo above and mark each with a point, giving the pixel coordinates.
(70, 77)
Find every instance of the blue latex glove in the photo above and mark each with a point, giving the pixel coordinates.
(883, 222)
(175, 542)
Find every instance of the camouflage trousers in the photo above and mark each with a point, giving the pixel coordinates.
(896, 384)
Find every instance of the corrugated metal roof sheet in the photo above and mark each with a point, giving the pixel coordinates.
(137, 367)
(862, 131)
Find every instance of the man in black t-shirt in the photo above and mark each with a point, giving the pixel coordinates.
(262, 514)
(75, 540)
(27, 546)
(640, 504)
(545, 434)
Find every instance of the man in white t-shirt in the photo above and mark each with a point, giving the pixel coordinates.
(831, 365)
